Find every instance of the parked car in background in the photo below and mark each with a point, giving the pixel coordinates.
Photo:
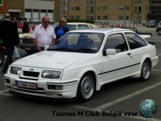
(158, 29)
(152, 23)
(78, 26)
(26, 42)
(81, 63)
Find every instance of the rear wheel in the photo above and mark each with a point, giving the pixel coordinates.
(1, 58)
(145, 71)
(86, 87)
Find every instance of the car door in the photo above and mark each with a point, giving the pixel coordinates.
(118, 65)
(138, 49)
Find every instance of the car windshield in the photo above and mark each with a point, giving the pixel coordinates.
(79, 42)
(71, 27)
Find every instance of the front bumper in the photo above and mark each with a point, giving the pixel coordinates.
(44, 88)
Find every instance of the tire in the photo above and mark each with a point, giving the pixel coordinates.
(145, 71)
(1, 58)
(159, 32)
(86, 87)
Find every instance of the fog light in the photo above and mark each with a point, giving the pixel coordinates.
(55, 87)
(8, 81)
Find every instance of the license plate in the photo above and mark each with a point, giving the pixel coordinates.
(27, 85)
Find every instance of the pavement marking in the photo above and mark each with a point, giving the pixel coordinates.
(145, 119)
(5, 93)
(109, 104)
(156, 70)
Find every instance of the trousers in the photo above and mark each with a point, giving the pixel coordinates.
(9, 60)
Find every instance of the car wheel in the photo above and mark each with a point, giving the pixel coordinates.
(86, 87)
(145, 71)
(159, 32)
(1, 58)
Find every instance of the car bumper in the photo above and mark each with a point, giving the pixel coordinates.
(44, 89)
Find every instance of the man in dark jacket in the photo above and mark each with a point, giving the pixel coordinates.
(10, 38)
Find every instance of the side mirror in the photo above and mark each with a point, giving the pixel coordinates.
(110, 51)
(46, 47)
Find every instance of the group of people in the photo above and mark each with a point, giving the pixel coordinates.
(43, 35)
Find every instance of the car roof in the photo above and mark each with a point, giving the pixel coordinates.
(103, 30)
(76, 23)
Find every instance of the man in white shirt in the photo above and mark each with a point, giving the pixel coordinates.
(43, 34)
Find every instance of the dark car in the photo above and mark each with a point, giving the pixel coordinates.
(152, 23)
(158, 29)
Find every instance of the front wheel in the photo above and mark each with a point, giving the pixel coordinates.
(86, 87)
(145, 71)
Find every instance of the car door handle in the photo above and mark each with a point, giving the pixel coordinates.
(128, 54)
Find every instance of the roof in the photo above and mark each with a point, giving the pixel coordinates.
(103, 30)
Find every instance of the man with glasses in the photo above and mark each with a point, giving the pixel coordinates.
(43, 34)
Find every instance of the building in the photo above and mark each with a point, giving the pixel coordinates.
(3, 8)
(112, 11)
(15, 8)
(154, 10)
(33, 10)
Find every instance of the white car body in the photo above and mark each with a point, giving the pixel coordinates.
(69, 68)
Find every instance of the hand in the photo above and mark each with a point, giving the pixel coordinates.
(38, 49)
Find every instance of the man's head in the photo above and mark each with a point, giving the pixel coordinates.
(45, 21)
(7, 16)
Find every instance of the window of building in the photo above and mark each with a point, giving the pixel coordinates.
(77, 8)
(35, 15)
(104, 8)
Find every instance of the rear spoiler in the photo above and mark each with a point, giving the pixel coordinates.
(144, 35)
(152, 43)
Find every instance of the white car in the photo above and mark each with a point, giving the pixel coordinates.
(78, 26)
(81, 63)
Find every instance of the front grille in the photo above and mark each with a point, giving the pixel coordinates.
(31, 74)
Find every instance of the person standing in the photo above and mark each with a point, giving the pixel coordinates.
(61, 29)
(43, 34)
(10, 39)
(25, 28)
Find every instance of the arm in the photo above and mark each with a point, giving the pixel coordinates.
(34, 36)
(36, 44)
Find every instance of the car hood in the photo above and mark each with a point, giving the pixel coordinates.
(51, 59)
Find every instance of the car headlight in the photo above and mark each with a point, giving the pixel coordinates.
(51, 74)
(15, 70)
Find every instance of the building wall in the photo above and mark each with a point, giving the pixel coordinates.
(16, 7)
(114, 11)
(56, 10)
(35, 10)
(3, 9)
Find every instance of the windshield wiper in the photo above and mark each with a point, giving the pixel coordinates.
(86, 50)
(61, 49)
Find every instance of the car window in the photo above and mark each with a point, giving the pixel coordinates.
(82, 26)
(116, 41)
(71, 27)
(135, 41)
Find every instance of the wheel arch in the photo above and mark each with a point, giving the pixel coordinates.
(93, 72)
